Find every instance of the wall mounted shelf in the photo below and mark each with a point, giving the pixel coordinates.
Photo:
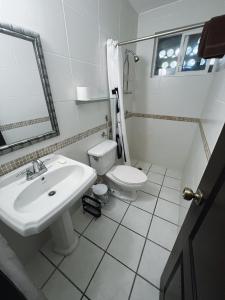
(93, 100)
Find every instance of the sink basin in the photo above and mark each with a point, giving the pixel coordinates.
(50, 189)
(28, 207)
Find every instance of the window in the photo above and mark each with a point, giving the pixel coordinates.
(178, 54)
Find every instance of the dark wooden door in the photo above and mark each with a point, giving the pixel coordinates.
(196, 266)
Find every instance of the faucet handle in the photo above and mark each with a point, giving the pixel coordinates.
(29, 173)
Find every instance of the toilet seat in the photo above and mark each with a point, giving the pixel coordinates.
(127, 175)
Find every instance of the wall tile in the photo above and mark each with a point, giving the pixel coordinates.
(83, 36)
(110, 16)
(60, 77)
(42, 16)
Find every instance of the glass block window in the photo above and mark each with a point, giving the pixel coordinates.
(167, 55)
(178, 54)
(191, 60)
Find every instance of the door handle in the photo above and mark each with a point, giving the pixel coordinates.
(188, 195)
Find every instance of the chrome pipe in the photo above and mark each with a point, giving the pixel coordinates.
(165, 33)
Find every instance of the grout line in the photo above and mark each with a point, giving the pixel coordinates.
(149, 282)
(151, 213)
(170, 201)
(49, 277)
(105, 251)
(60, 271)
(121, 261)
(169, 187)
(159, 245)
(145, 242)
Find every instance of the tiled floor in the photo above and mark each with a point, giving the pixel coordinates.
(122, 254)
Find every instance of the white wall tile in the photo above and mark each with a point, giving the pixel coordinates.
(60, 77)
(110, 16)
(43, 16)
(88, 8)
(83, 36)
(161, 142)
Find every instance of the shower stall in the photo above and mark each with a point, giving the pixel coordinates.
(168, 105)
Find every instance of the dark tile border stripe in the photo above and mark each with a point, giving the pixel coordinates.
(26, 123)
(179, 119)
(204, 141)
(14, 164)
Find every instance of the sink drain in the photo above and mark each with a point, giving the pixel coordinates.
(52, 193)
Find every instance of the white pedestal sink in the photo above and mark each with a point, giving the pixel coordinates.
(29, 207)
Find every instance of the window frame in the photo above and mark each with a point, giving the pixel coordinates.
(183, 46)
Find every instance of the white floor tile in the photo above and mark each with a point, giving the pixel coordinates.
(127, 247)
(137, 220)
(151, 188)
(47, 249)
(145, 201)
(81, 264)
(153, 262)
(158, 169)
(115, 209)
(170, 195)
(39, 269)
(172, 183)
(174, 173)
(143, 165)
(167, 210)
(101, 231)
(144, 291)
(81, 219)
(59, 288)
(112, 281)
(163, 233)
(155, 177)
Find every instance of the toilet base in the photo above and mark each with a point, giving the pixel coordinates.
(124, 195)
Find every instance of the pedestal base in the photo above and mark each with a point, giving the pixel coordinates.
(64, 238)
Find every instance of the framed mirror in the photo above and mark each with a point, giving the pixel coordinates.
(27, 113)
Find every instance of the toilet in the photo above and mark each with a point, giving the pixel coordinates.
(124, 181)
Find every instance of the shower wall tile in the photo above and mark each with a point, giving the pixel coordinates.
(161, 142)
(213, 116)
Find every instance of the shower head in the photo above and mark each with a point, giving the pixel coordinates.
(135, 56)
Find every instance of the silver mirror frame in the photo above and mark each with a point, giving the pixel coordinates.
(36, 41)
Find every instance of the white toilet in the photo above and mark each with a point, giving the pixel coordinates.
(124, 181)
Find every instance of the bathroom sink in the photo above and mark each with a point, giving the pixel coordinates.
(28, 207)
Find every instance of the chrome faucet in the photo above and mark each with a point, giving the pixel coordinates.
(38, 168)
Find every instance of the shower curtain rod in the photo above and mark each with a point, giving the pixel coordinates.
(177, 30)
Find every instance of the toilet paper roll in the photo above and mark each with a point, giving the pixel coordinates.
(83, 93)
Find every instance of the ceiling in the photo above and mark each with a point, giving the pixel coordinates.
(143, 5)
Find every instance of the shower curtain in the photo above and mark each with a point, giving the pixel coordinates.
(115, 71)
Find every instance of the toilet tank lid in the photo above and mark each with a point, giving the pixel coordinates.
(102, 148)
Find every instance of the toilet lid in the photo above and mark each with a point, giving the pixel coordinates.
(128, 175)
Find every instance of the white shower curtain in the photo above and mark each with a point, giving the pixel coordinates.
(115, 78)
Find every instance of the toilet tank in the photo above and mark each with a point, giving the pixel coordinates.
(103, 156)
